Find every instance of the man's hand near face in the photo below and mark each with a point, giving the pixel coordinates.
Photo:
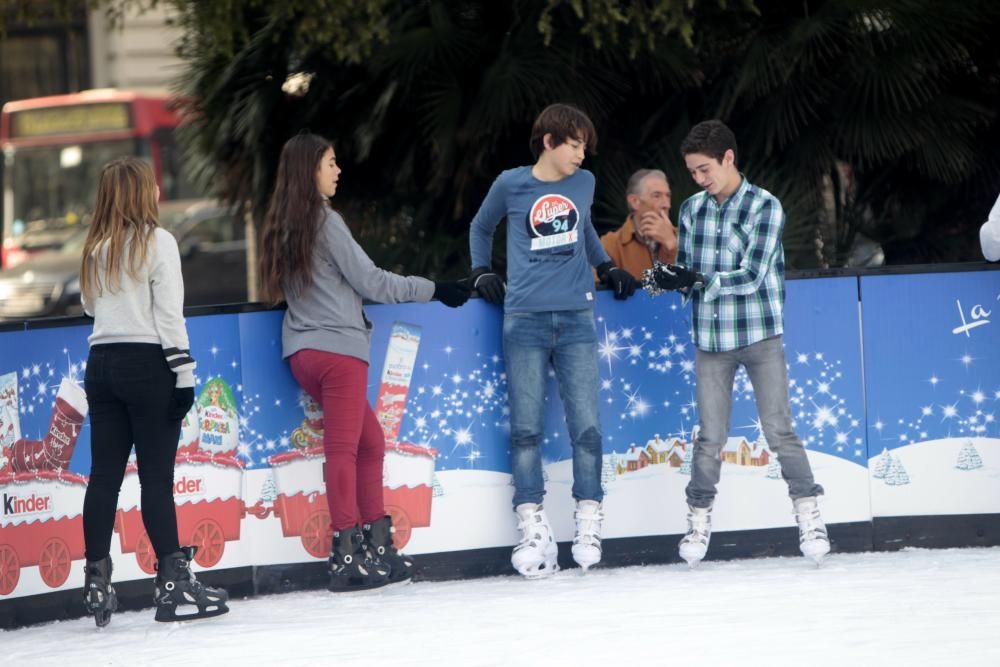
(656, 226)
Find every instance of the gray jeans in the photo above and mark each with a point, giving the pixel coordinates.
(715, 372)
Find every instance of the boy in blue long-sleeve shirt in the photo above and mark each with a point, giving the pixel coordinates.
(548, 318)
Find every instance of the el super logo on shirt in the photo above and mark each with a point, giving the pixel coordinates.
(552, 222)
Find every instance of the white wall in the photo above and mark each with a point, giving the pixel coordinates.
(136, 55)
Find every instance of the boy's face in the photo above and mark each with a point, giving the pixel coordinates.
(567, 157)
(715, 177)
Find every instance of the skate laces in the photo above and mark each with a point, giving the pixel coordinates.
(699, 526)
(532, 528)
(588, 524)
(811, 526)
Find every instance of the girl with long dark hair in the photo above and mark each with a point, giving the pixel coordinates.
(310, 260)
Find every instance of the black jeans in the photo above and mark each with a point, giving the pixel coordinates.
(129, 389)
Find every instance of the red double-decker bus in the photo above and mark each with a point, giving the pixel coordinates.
(53, 150)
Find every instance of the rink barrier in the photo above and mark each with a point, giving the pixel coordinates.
(900, 311)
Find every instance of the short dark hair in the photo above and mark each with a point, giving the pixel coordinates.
(711, 138)
(562, 122)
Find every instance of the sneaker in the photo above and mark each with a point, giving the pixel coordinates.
(535, 555)
(813, 540)
(587, 543)
(694, 545)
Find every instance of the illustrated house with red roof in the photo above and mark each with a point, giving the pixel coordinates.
(634, 459)
(740, 452)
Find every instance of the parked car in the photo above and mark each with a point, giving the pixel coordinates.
(213, 251)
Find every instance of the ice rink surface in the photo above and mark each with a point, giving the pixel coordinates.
(908, 608)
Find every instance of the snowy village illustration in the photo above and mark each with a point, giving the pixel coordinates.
(885, 436)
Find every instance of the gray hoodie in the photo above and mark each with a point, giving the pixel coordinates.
(327, 316)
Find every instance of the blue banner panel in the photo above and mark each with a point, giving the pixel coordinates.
(932, 377)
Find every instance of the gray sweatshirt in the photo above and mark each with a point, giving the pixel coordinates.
(327, 316)
(148, 310)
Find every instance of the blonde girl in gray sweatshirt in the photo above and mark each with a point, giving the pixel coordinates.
(140, 384)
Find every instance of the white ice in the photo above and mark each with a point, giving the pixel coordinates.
(909, 608)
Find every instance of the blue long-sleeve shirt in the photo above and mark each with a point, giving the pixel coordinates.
(551, 241)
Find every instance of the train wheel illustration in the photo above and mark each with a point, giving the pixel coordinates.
(317, 538)
(145, 555)
(207, 536)
(401, 522)
(10, 569)
(54, 562)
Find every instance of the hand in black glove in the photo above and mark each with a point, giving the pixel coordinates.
(453, 294)
(675, 276)
(619, 280)
(180, 403)
(489, 285)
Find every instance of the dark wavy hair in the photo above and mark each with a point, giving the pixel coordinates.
(563, 122)
(710, 137)
(293, 219)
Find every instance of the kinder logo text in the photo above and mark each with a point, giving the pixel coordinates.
(33, 504)
(189, 486)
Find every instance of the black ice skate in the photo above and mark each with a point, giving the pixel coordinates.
(351, 567)
(98, 593)
(378, 535)
(179, 596)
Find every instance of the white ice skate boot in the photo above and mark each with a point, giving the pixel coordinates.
(587, 543)
(813, 540)
(694, 545)
(535, 555)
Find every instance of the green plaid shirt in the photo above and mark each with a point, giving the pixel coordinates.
(737, 246)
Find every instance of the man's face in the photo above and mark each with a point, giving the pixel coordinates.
(654, 195)
(711, 175)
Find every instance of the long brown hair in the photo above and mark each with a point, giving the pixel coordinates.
(125, 215)
(293, 219)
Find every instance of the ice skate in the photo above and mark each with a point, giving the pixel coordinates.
(98, 593)
(179, 596)
(813, 540)
(587, 542)
(535, 555)
(378, 537)
(351, 566)
(694, 545)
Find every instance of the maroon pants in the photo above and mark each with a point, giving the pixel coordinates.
(352, 437)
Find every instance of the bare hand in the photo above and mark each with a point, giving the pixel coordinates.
(656, 226)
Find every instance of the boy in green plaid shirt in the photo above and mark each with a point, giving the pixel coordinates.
(731, 265)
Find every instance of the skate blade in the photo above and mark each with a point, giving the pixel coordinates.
(102, 611)
(361, 590)
(691, 561)
(190, 612)
(816, 559)
(541, 574)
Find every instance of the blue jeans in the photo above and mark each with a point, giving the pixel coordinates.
(715, 372)
(568, 340)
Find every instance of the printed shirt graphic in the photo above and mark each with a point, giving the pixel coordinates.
(737, 246)
(552, 223)
(551, 241)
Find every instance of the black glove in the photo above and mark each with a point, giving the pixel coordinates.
(619, 280)
(675, 276)
(180, 403)
(453, 294)
(489, 285)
